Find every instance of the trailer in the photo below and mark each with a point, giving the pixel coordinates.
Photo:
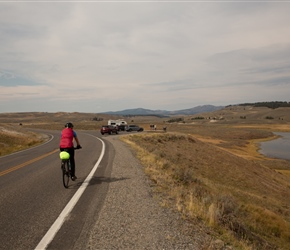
(117, 122)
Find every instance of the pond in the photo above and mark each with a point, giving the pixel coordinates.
(278, 148)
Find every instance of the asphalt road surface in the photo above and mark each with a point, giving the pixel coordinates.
(33, 196)
(117, 209)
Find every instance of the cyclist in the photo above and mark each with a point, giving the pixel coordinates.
(66, 144)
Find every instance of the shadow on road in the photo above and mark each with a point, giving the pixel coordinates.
(99, 180)
(94, 181)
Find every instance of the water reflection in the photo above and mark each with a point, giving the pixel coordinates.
(278, 148)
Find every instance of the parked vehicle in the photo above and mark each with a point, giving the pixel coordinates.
(108, 129)
(121, 127)
(117, 122)
(131, 128)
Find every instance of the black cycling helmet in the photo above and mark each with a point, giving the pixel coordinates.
(69, 125)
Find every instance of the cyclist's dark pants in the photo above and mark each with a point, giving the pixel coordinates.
(71, 152)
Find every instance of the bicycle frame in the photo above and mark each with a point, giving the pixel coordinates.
(66, 174)
(66, 168)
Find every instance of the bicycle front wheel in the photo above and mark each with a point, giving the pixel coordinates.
(65, 173)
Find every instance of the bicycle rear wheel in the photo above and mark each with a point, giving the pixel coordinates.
(65, 173)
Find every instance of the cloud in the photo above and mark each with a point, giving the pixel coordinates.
(9, 79)
(262, 65)
(101, 56)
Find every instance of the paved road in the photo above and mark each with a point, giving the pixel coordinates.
(32, 194)
(117, 210)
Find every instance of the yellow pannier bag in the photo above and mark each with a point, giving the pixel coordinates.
(64, 155)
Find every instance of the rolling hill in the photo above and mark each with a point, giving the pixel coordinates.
(142, 111)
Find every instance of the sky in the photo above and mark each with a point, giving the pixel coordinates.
(98, 56)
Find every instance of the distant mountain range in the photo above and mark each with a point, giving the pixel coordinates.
(147, 112)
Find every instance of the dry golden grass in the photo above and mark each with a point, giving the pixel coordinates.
(237, 195)
(207, 169)
(284, 172)
(15, 139)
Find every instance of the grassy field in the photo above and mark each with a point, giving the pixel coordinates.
(205, 166)
(222, 181)
(14, 139)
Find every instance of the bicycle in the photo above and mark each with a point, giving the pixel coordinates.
(65, 167)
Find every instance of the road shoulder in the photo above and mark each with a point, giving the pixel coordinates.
(131, 217)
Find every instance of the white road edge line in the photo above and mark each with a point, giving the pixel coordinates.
(48, 237)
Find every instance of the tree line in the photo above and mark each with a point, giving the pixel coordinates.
(272, 105)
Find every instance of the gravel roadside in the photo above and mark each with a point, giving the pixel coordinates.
(131, 218)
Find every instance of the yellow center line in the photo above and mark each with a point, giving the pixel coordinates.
(27, 163)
